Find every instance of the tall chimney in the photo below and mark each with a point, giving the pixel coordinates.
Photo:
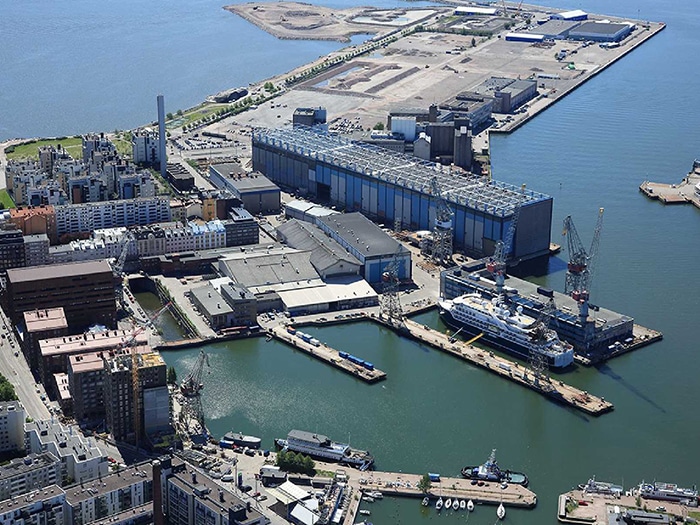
(158, 517)
(161, 135)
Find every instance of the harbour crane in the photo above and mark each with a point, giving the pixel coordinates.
(537, 361)
(390, 305)
(130, 342)
(497, 263)
(442, 230)
(191, 390)
(579, 270)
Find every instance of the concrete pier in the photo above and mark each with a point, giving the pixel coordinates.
(553, 389)
(680, 193)
(491, 493)
(327, 355)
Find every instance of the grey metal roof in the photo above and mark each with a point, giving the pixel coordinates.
(555, 27)
(475, 192)
(325, 251)
(242, 181)
(600, 28)
(307, 436)
(262, 269)
(357, 230)
(211, 300)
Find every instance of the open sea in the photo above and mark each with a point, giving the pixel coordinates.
(79, 66)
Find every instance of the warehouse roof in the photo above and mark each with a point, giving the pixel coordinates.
(325, 251)
(357, 230)
(279, 266)
(403, 170)
(211, 300)
(337, 290)
(55, 271)
(599, 28)
(242, 181)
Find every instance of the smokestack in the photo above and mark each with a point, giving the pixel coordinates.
(158, 517)
(161, 135)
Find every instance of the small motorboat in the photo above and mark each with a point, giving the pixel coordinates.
(426, 501)
(438, 505)
(448, 503)
(376, 494)
(368, 499)
(462, 504)
(470, 505)
(365, 512)
(501, 512)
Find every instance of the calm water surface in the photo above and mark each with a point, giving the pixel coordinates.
(75, 69)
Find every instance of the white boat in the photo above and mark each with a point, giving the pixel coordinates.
(376, 494)
(470, 505)
(438, 505)
(507, 328)
(501, 512)
(365, 512)
(426, 501)
(462, 504)
(448, 503)
(368, 499)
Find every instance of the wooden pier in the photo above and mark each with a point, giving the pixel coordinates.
(491, 493)
(678, 193)
(328, 355)
(553, 389)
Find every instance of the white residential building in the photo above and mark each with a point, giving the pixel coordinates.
(12, 417)
(82, 461)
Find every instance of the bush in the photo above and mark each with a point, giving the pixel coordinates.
(296, 463)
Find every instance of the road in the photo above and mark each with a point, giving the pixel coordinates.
(16, 370)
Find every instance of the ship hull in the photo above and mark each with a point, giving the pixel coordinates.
(508, 347)
(508, 476)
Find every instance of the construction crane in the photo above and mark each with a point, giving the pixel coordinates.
(390, 305)
(505, 9)
(191, 389)
(497, 264)
(537, 361)
(579, 270)
(135, 381)
(442, 230)
(126, 242)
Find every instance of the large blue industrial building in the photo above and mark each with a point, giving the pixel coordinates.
(391, 187)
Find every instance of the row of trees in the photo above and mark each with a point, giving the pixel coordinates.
(296, 463)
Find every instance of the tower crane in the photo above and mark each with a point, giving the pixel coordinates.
(390, 305)
(126, 242)
(135, 381)
(496, 265)
(442, 230)
(191, 389)
(579, 270)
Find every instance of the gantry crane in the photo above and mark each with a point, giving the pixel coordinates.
(129, 342)
(579, 271)
(497, 264)
(442, 230)
(537, 361)
(390, 305)
(191, 389)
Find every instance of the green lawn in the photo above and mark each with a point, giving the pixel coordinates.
(196, 113)
(30, 150)
(6, 200)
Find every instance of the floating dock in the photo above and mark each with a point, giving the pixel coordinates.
(491, 493)
(553, 389)
(685, 191)
(328, 355)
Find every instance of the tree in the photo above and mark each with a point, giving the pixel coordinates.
(179, 112)
(424, 484)
(169, 116)
(379, 126)
(172, 375)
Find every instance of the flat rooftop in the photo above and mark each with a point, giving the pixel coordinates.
(45, 319)
(349, 289)
(133, 475)
(278, 266)
(356, 229)
(57, 271)
(600, 28)
(403, 170)
(211, 300)
(21, 466)
(90, 341)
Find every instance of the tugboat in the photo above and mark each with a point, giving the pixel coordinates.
(490, 471)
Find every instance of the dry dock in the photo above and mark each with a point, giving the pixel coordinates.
(401, 484)
(328, 355)
(553, 389)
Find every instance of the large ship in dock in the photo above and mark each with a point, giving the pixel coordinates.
(490, 471)
(511, 330)
(320, 447)
(669, 492)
